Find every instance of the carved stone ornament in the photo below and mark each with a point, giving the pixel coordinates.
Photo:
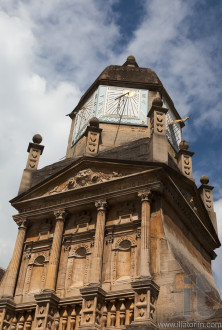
(208, 199)
(101, 205)
(20, 221)
(84, 178)
(189, 198)
(159, 122)
(145, 195)
(187, 165)
(60, 214)
(125, 242)
(109, 239)
(80, 250)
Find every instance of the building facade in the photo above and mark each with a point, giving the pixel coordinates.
(117, 235)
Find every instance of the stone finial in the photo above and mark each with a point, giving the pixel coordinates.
(184, 145)
(184, 159)
(35, 149)
(159, 142)
(157, 102)
(94, 122)
(206, 193)
(93, 134)
(131, 61)
(37, 138)
(204, 179)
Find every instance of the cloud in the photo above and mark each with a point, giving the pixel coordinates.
(28, 105)
(49, 56)
(164, 42)
(71, 36)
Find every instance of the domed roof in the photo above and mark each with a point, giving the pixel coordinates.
(135, 76)
(127, 75)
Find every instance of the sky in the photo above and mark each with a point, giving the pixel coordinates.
(51, 51)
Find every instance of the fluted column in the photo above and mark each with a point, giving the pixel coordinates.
(9, 282)
(99, 242)
(55, 250)
(145, 233)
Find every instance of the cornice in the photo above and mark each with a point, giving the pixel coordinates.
(190, 218)
(111, 189)
(78, 164)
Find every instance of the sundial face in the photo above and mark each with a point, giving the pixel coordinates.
(114, 105)
(173, 132)
(82, 119)
(122, 105)
(122, 102)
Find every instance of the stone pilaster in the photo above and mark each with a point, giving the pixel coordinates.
(159, 142)
(184, 160)
(55, 251)
(92, 308)
(9, 281)
(96, 269)
(7, 313)
(206, 193)
(46, 310)
(107, 262)
(35, 150)
(146, 290)
(145, 233)
(146, 294)
(93, 134)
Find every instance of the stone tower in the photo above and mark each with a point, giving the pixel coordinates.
(117, 235)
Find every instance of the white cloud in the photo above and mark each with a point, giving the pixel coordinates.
(49, 54)
(163, 42)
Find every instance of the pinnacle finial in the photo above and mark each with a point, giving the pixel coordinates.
(157, 101)
(204, 179)
(37, 138)
(94, 122)
(184, 145)
(131, 61)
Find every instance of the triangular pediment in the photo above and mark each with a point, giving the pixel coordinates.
(85, 177)
(83, 173)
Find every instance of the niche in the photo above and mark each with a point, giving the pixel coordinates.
(79, 267)
(124, 259)
(37, 274)
(123, 269)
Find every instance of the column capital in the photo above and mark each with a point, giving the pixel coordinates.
(145, 195)
(20, 220)
(101, 205)
(60, 214)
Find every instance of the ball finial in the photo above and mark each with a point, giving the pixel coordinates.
(131, 58)
(94, 122)
(131, 61)
(37, 138)
(204, 179)
(184, 145)
(157, 102)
